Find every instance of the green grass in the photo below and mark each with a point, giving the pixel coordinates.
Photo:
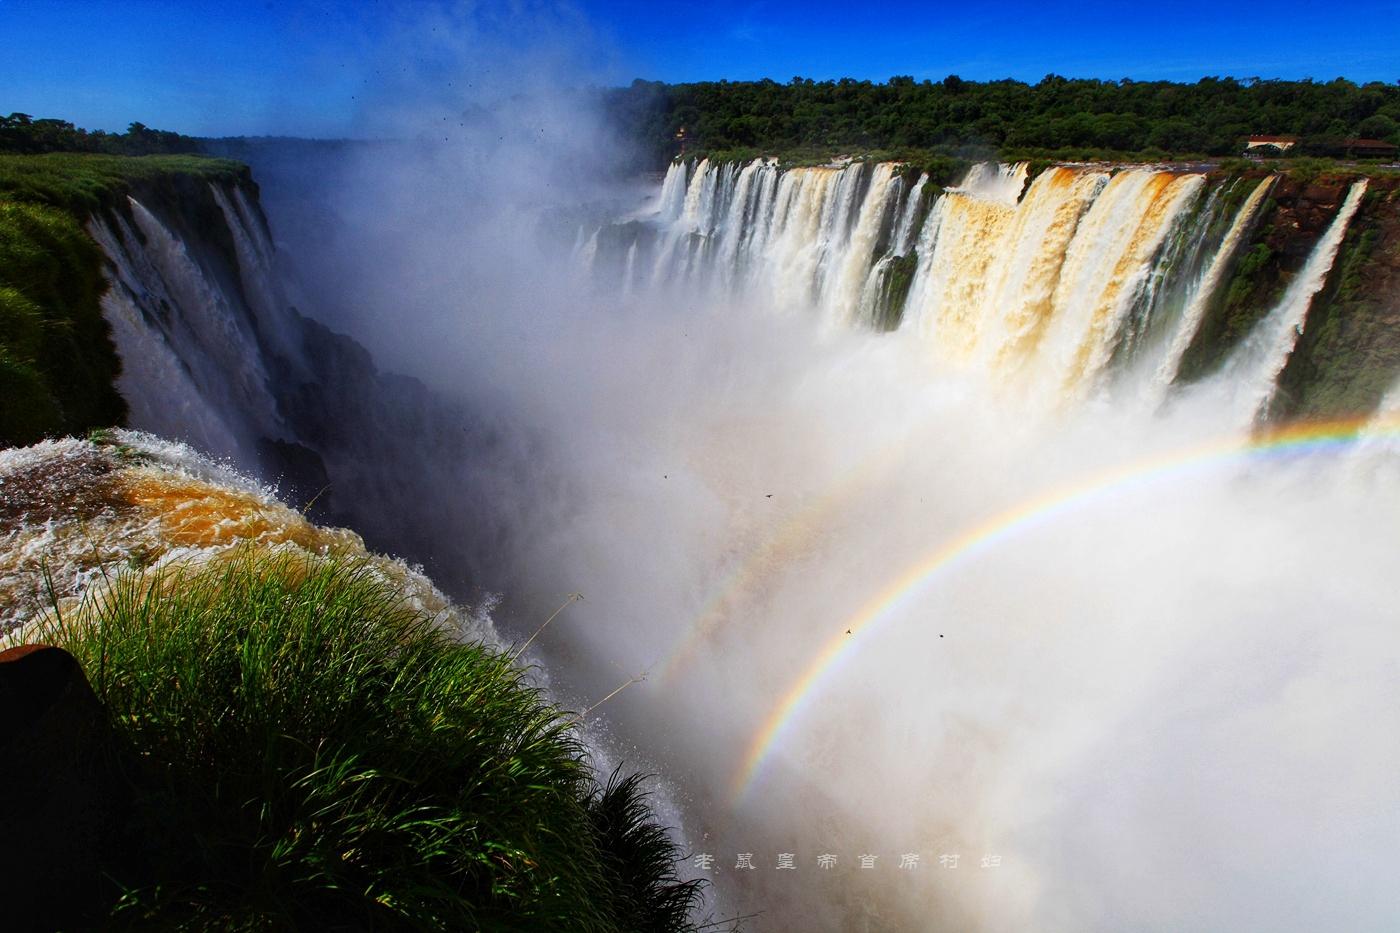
(81, 183)
(309, 752)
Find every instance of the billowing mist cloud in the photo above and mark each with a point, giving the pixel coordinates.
(1166, 703)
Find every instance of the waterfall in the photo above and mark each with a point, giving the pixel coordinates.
(992, 181)
(254, 251)
(1106, 266)
(904, 233)
(846, 397)
(1252, 370)
(673, 192)
(192, 361)
(1208, 284)
(842, 297)
(159, 386)
(1078, 281)
(213, 356)
(989, 267)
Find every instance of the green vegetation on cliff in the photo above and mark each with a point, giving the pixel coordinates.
(57, 362)
(82, 183)
(305, 750)
(895, 291)
(1348, 356)
(1256, 283)
(1348, 353)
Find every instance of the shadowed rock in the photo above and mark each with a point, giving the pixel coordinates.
(55, 789)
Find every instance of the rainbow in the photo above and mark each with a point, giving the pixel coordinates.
(790, 535)
(1300, 437)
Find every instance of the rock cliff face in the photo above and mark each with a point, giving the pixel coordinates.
(1348, 353)
(214, 355)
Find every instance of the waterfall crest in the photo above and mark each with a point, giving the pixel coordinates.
(1080, 280)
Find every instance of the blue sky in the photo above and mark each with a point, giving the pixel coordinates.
(318, 67)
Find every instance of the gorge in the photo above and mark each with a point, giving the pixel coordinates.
(1043, 520)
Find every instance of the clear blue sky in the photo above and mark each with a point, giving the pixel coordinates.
(317, 67)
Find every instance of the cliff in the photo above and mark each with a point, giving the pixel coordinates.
(145, 292)
(58, 365)
(1348, 354)
(282, 729)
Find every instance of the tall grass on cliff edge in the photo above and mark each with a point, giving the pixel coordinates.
(308, 752)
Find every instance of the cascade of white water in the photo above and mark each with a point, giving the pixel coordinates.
(589, 253)
(951, 283)
(629, 270)
(1022, 298)
(255, 270)
(918, 299)
(904, 231)
(992, 181)
(898, 217)
(1379, 449)
(210, 319)
(1048, 286)
(796, 242)
(1014, 253)
(842, 298)
(673, 192)
(1251, 372)
(1205, 289)
(1106, 265)
(576, 251)
(699, 197)
(1175, 271)
(685, 198)
(184, 336)
(990, 278)
(257, 231)
(754, 238)
(737, 224)
(158, 385)
(871, 291)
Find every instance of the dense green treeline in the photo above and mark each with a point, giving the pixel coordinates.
(22, 133)
(1211, 117)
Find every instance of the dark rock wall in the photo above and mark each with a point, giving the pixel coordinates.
(1349, 352)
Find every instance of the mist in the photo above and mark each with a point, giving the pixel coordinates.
(1147, 700)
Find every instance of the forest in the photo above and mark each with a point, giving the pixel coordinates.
(1160, 119)
(27, 135)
